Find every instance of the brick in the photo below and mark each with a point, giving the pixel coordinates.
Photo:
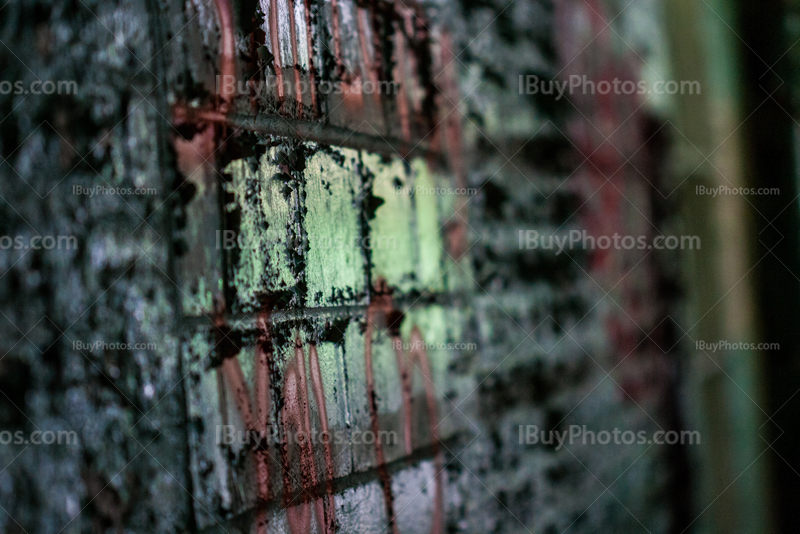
(393, 251)
(268, 231)
(335, 266)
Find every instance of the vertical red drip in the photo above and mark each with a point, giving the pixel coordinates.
(297, 419)
(400, 78)
(381, 308)
(227, 55)
(298, 87)
(299, 516)
(312, 70)
(377, 42)
(411, 61)
(369, 63)
(406, 384)
(262, 388)
(307, 465)
(274, 38)
(263, 355)
(232, 371)
(383, 472)
(337, 38)
(457, 234)
(235, 379)
(319, 394)
(419, 354)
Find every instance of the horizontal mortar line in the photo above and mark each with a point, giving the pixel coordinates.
(327, 134)
(247, 321)
(246, 518)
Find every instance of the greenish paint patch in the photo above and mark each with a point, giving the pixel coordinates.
(391, 237)
(266, 230)
(429, 271)
(335, 264)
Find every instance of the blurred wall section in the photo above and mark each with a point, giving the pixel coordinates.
(151, 336)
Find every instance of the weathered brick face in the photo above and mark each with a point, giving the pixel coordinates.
(348, 332)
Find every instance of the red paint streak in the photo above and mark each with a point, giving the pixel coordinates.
(411, 59)
(312, 71)
(274, 38)
(297, 422)
(378, 307)
(231, 370)
(420, 355)
(377, 43)
(337, 39)
(298, 86)
(296, 418)
(230, 374)
(294, 405)
(319, 395)
(382, 309)
(189, 155)
(609, 176)
(182, 114)
(369, 64)
(457, 233)
(308, 467)
(263, 357)
(600, 23)
(262, 364)
(406, 385)
(234, 377)
(400, 77)
(227, 53)
(353, 97)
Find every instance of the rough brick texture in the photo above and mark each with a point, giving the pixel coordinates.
(299, 250)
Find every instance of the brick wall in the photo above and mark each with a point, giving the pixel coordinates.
(320, 259)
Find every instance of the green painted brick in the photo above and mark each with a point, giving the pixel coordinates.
(266, 232)
(391, 232)
(335, 262)
(429, 233)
